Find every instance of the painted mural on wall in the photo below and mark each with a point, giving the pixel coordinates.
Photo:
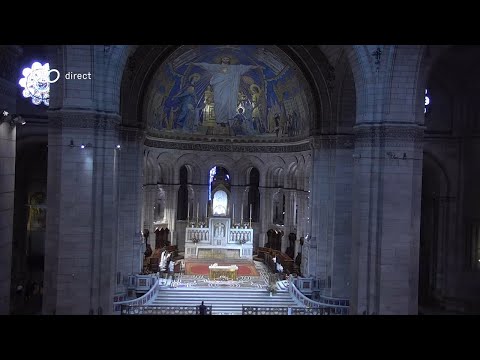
(229, 91)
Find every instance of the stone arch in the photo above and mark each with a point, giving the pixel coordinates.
(278, 177)
(168, 165)
(428, 56)
(226, 162)
(142, 62)
(274, 171)
(114, 72)
(319, 74)
(136, 64)
(402, 94)
(194, 171)
(128, 68)
(290, 180)
(443, 178)
(299, 173)
(151, 170)
(433, 234)
(359, 57)
(244, 166)
(344, 97)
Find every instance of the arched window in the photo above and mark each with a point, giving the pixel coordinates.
(219, 191)
(254, 194)
(220, 203)
(182, 200)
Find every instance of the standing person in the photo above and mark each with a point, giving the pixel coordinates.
(202, 309)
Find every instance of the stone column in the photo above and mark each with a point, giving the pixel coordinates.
(202, 199)
(82, 213)
(243, 200)
(289, 217)
(171, 208)
(196, 203)
(130, 181)
(7, 186)
(302, 202)
(386, 218)
(331, 212)
(447, 245)
(236, 191)
(150, 193)
(262, 237)
(8, 94)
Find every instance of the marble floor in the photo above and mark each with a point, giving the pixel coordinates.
(181, 280)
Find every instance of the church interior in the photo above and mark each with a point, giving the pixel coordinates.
(251, 179)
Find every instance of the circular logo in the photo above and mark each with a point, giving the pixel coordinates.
(36, 82)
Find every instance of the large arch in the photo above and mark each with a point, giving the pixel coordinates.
(137, 64)
(450, 211)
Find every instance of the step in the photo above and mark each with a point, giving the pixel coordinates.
(225, 301)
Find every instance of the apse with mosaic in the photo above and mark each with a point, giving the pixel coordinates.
(229, 91)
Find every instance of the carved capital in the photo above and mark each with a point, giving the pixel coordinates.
(83, 120)
(223, 147)
(133, 134)
(333, 142)
(389, 134)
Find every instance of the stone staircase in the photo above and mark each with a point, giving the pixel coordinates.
(224, 301)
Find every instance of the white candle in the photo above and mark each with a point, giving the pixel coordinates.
(241, 213)
(197, 210)
(188, 210)
(206, 210)
(233, 216)
(250, 211)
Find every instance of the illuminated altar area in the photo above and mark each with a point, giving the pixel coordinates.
(219, 241)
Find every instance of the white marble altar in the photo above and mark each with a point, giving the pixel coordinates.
(219, 241)
(216, 272)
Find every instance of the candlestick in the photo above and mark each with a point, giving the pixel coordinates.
(233, 216)
(197, 215)
(206, 210)
(241, 214)
(250, 216)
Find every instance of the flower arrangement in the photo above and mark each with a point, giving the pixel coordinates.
(195, 240)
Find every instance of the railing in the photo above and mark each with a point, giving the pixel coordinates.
(241, 236)
(197, 235)
(267, 310)
(332, 301)
(335, 309)
(264, 310)
(163, 310)
(142, 300)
